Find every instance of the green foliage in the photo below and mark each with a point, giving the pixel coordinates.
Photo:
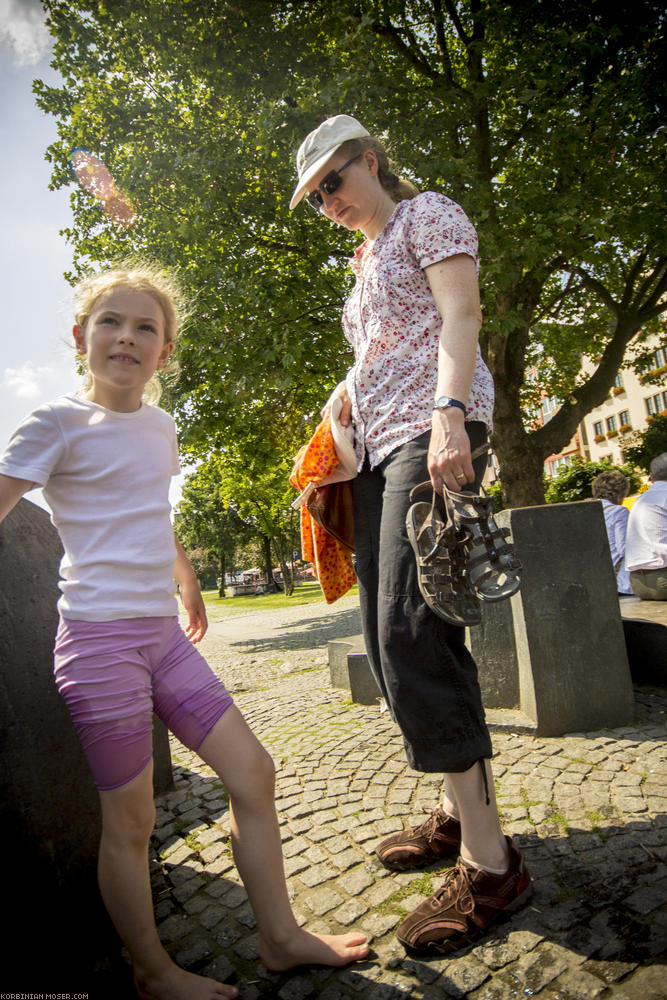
(540, 119)
(207, 523)
(648, 444)
(573, 482)
(495, 491)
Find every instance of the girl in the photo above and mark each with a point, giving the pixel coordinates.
(105, 459)
(418, 394)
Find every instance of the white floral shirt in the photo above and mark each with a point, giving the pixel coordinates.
(393, 324)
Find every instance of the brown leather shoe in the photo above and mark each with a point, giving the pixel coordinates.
(467, 903)
(436, 837)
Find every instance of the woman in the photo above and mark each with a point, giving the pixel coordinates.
(419, 396)
(612, 488)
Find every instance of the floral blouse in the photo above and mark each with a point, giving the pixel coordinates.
(393, 324)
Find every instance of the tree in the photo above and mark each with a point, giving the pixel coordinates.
(647, 445)
(541, 119)
(206, 521)
(573, 482)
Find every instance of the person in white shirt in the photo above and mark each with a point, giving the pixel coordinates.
(611, 488)
(646, 541)
(105, 459)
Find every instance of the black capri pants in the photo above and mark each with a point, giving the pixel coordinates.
(424, 670)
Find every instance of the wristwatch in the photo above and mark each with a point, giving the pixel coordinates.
(444, 402)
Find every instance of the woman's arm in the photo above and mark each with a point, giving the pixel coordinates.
(11, 491)
(188, 588)
(456, 292)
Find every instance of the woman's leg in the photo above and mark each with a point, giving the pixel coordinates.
(128, 815)
(482, 839)
(246, 769)
(439, 705)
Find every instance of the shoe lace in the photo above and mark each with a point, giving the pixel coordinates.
(429, 826)
(458, 889)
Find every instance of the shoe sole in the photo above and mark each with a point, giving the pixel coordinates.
(471, 936)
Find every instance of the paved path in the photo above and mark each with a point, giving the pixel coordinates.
(588, 810)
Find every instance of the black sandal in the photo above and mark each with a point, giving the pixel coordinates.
(493, 570)
(441, 552)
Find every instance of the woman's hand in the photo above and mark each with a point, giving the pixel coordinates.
(449, 451)
(346, 411)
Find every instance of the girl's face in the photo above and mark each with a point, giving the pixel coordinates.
(124, 344)
(360, 202)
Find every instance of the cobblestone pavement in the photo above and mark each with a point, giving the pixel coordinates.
(589, 812)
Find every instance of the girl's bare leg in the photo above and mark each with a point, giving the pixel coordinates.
(246, 769)
(482, 839)
(128, 815)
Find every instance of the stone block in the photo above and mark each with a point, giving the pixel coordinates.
(646, 645)
(570, 649)
(494, 650)
(49, 810)
(349, 669)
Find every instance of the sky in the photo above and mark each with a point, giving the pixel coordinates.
(37, 362)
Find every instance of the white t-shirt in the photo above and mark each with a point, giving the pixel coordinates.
(393, 324)
(646, 540)
(106, 479)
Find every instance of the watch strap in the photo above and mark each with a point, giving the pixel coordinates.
(444, 402)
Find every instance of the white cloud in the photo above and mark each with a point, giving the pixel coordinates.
(23, 26)
(30, 381)
(24, 382)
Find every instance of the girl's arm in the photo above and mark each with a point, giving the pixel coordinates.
(11, 491)
(454, 285)
(193, 602)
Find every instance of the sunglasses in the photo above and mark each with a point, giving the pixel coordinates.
(328, 184)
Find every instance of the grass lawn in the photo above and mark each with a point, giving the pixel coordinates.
(226, 607)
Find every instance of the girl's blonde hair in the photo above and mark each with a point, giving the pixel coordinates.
(140, 277)
(398, 188)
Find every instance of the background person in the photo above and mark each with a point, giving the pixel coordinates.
(646, 541)
(418, 394)
(611, 488)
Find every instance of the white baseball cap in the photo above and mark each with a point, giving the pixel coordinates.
(321, 144)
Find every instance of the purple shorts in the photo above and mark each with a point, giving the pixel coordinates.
(114, 675)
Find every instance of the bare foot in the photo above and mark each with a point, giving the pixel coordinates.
(177, 984)
(305, 948)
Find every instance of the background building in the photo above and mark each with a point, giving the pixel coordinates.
(631, 403)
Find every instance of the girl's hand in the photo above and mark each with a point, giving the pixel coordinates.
(449, 451)
(193, 603)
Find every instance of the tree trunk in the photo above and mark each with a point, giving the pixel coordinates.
(268, 568)
(521, 467)
(221, 587)
(288, 576)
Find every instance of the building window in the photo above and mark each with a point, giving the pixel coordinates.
(624, 421)
(611, 423)
(618, 381)
(597, 428)
(653, 404)
(660, 357)
(556, 463)
(549, 405)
